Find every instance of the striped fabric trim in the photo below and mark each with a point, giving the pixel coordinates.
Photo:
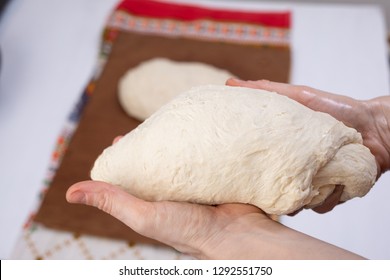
(201, 29)
(188, 12)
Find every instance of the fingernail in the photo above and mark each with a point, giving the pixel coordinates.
(235, 80)
(116, 139)
(77, 197)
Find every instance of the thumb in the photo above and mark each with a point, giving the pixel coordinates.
(112, 200)
(173, 223)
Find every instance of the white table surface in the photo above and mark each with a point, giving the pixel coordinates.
(49, 50)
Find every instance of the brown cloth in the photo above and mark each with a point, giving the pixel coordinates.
(103, 119)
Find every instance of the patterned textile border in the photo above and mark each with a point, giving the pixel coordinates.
(47, 244)
(202, 29)
(39, 242)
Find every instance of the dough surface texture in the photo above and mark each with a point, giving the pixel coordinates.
(153, 83)
(220, 144)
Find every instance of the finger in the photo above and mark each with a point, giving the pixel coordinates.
(116, 139)
(315, 99)
(151, 219)
(281, 88)
(302, 94)
(235, 82)
(295, 212)
(331, 201)
(112, 200)
(249, 84)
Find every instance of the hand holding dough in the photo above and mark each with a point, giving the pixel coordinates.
(220, 144)
(155, 82)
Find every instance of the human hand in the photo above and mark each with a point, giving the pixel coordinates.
(371, 118)
(229, 231)
(199, 230)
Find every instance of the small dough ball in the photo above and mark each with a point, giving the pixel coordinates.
(153, 83)
(221, 144)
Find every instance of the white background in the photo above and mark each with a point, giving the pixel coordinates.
(49, 50)
(281, 270)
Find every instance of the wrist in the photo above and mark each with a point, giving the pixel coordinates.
(267, 239)
(243, 239)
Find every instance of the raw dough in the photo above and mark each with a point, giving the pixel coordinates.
(221, 144)
(153, 83)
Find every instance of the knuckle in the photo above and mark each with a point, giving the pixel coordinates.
(302, 89)
(103, 201)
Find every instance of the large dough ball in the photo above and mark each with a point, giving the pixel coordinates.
(220, 144)
(153, 83)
